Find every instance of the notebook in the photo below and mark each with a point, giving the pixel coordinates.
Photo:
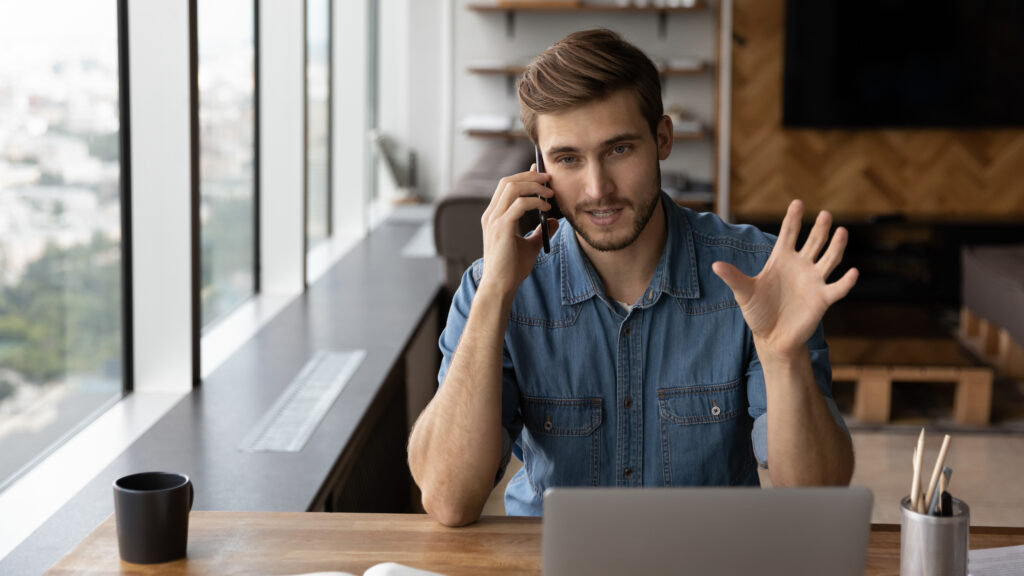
(706, 531)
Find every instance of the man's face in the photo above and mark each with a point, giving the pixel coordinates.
(604, 168)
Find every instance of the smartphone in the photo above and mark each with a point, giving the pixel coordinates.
(543, 217)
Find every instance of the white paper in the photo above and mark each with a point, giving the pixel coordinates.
(1006, 561)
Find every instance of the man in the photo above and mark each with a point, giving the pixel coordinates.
(653, 345)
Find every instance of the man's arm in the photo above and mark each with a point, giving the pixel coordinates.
(455, 447)
(783, 305)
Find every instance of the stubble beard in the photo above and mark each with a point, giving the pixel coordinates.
(642, 215)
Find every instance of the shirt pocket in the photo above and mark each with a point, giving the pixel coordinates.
(705, 435)
(560, 441)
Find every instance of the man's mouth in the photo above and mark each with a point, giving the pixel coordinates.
(604, 216)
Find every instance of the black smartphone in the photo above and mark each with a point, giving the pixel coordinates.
(543, 218)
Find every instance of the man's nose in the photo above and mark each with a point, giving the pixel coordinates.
(598, 183)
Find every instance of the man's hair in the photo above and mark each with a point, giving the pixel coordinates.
(584, 67)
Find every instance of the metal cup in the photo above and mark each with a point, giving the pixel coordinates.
(934, 545)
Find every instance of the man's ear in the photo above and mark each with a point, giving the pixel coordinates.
(664, 137)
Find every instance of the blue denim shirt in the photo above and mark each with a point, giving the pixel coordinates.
(670, 393)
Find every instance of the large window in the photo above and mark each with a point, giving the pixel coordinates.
(318, 121)
(227, 153)
(61, 296)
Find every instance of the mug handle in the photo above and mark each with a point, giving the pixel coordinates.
(191, 495)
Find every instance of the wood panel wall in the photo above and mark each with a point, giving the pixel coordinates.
(946, 175)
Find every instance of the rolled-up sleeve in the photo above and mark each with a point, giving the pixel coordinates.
(758, 399)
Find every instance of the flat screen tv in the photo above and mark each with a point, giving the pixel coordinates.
(904, 63)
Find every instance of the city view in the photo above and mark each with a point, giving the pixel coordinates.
(60, 207)
(60, 222)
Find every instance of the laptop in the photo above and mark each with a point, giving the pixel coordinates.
(706, 531)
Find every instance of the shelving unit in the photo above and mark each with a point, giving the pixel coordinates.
(515, 71)
(521, 135)
(582, 7)
(510, 11)
(697, 159)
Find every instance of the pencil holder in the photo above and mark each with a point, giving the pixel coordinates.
(934, 545)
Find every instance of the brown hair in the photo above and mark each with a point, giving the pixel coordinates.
(587, 66)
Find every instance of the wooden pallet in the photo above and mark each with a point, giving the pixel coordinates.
(875, 363)
(992, 343)
(872, 404)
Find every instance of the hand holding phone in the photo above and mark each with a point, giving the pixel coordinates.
(543, 218)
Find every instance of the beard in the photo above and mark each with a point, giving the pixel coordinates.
(642, 214)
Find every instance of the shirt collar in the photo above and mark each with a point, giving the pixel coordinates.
(675, 275)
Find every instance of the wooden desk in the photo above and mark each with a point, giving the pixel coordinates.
(297, 542)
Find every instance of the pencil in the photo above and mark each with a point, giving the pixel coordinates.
(938, 470)
(915, 487)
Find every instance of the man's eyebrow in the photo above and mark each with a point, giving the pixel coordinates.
(625, 136)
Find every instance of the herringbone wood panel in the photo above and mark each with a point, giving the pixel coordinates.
(940, 174)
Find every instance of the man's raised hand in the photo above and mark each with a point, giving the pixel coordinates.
(786, 301)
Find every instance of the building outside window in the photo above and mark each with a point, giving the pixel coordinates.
(61, 285)
(227, 153)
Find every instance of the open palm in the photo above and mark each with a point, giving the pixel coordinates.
(786, 301)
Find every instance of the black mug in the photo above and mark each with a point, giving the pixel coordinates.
(151, 510)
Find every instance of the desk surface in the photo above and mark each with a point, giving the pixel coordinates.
(295, 542)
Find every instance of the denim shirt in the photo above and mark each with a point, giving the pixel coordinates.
(669, 393)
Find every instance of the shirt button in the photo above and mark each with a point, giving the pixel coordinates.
(628, 472)
(650, 295)
(629, 402)
(627, 331)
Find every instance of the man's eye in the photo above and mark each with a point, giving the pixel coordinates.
(620, 149)
(567, 160)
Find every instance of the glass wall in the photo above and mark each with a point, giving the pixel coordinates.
(318, 121)
(227, 153)
(60, 222)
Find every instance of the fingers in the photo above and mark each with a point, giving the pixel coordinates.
(737, 281)
(838, 290)
(511, 188)
(818, 236)
(510, 216)
(791, 225)
(834, 254)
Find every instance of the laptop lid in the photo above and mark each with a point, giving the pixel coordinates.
(706, 531)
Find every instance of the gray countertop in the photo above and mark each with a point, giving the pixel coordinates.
(372, 299)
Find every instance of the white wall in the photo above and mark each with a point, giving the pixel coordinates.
(349, 92)
(410, 71)
(282, 139)
(161, 196)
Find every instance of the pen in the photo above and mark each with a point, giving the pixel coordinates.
(543, 220)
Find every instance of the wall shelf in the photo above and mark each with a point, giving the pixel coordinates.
(511, 10)
(517, 70)
(562, 7)
(521, 135)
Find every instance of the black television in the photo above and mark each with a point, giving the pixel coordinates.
(904, 64)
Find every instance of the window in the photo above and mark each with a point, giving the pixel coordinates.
(318, 121)
(227, 153)
(61, 291)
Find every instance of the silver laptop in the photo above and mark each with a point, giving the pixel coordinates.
(706, 531)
